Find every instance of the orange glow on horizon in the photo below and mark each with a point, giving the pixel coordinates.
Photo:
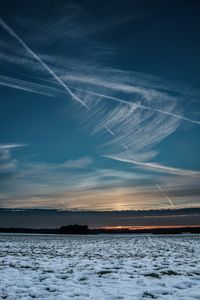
(119, 227)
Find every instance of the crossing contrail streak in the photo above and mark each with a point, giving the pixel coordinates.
(109, 130)
(72, 94)
(45, 66)
(170, 114)
(141, 106)
(158, 187)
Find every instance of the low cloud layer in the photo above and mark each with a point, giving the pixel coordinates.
(55, 218)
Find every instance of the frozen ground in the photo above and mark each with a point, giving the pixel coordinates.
(99, 267)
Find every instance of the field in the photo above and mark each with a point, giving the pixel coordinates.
(99, 267)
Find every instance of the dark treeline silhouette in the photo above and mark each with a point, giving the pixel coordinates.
(83, 229)
(74, 229)
(69, 229)
(158, 230)
(28, 230)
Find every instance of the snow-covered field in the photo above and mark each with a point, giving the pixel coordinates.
(99, 267)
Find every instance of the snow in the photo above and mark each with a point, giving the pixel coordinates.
(99, 267)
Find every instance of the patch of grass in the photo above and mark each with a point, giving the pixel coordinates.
(12, 265)
(64, 277)
(196, 273)
(149, 295)
(153, 275)
(169, 273)
(82, 279)
(51, 289)
(25, 267)
(48, 271)
(103, 272)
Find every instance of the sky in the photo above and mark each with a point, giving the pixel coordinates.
(99, 105)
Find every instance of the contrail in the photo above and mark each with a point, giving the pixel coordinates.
(11, 146)
(109, 130)
(45, 66)
(164, 194)
(155, 166)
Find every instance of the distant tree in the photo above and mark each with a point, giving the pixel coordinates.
(74, 229)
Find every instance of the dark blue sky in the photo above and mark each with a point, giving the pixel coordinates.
(99, 106)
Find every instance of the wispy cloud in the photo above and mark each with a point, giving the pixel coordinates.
(7, 162)
(82, 162)
(11, 146)
(27, 86)
(40, 184)
(97, 199)
(8, 166)
(5, 151)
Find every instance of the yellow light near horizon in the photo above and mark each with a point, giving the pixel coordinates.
(112, 199)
